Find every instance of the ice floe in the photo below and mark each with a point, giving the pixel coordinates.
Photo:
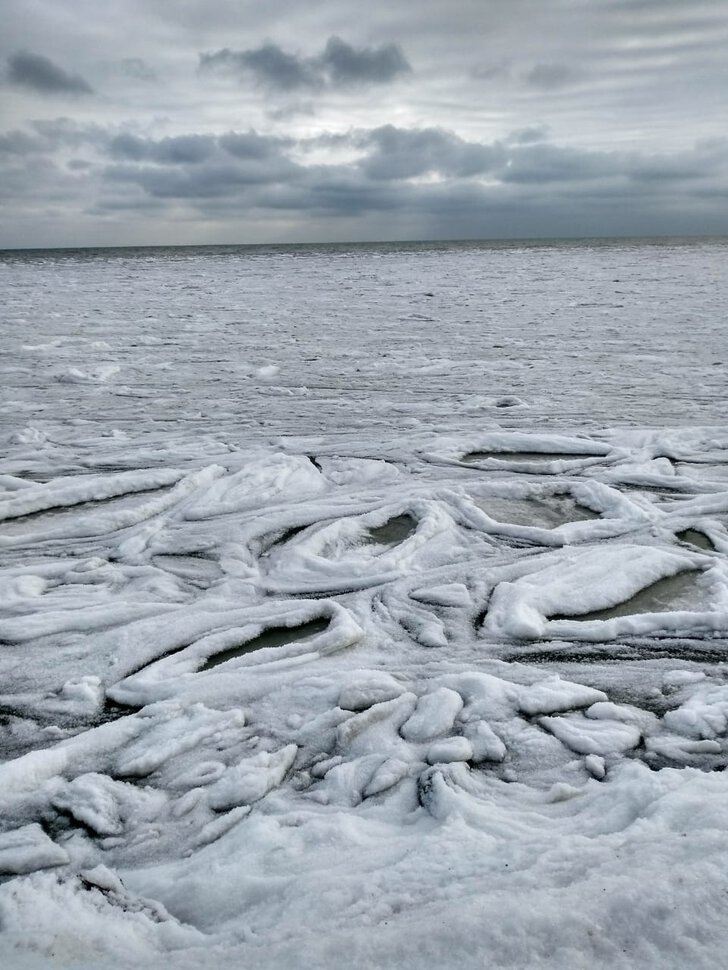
(348, 653)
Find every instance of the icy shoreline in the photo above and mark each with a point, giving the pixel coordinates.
(393, 772)
(367, 608)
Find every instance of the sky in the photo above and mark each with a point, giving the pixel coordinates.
(164, 122)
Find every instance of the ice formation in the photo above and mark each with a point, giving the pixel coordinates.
(449, 693)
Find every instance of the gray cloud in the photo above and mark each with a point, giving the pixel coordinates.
(289, 111)
(199, 166)
(338, 66)
(344, 64)
(41, 74)
(138, 69)
(252, 145)
(398, 153)
(251, 172)
(490, 70)
(526, 136)
(269, 65)
(218, 179)
(543, 162)
(67, 133)
(21, 143)
(387, 168)
(550, 76)
(195, 149)
(524, 118)
(180, 150)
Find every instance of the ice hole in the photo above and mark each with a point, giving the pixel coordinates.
(398, 529)
(57, 514)
(274, 636)
(275, 541)
(530, 456)
(544, 513)
(695, 538)
(678, 592)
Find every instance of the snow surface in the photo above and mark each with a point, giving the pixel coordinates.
(364, 606)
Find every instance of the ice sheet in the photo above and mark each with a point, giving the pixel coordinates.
(287, 681)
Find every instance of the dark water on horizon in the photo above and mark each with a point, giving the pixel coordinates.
(357, 248)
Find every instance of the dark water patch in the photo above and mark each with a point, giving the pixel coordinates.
(201, 555)
(113, 710)
(703, 761)
(324, 594)
(526, 456)
(59, 823)
(276, 539)
(656, 490)
(542, 513)
(170, 652)
(42, 475)
(274, 636)
(58, 512)
(624, 652)
(678, 592)
(24, 728)
(695, 538)
(480, 619)
(590, 654)
(396, 530)
(654, 701)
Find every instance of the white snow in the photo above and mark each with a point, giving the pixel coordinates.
(28, 848)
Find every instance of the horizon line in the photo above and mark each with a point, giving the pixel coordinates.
(536, 240)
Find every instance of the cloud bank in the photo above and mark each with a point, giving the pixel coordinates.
(339, 65)
(343, 122)
(41, 74)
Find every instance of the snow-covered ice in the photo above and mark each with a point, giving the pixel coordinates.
(364, 606)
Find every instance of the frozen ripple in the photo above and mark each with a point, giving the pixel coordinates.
(303, 627)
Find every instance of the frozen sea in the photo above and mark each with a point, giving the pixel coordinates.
(365, 605)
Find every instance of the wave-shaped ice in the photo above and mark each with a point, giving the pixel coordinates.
(314, 650)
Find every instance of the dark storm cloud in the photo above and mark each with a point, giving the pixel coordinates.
(195, 149)
(67, 133)
(21, 143)
(199, 166)
(519, 186)
(550, 76)
(49, 136)
(218, 179)
(398, 153)
(181, 150)
(339, 65)
(269, 65)
(531, 111)
(252, 145)
(386, 167)
(543, 162)
(42, 75)
(344, 64)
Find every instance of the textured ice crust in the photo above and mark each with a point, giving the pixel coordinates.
(360, 708)
(324, 650)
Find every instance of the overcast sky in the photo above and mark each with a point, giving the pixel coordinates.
(204, 121)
